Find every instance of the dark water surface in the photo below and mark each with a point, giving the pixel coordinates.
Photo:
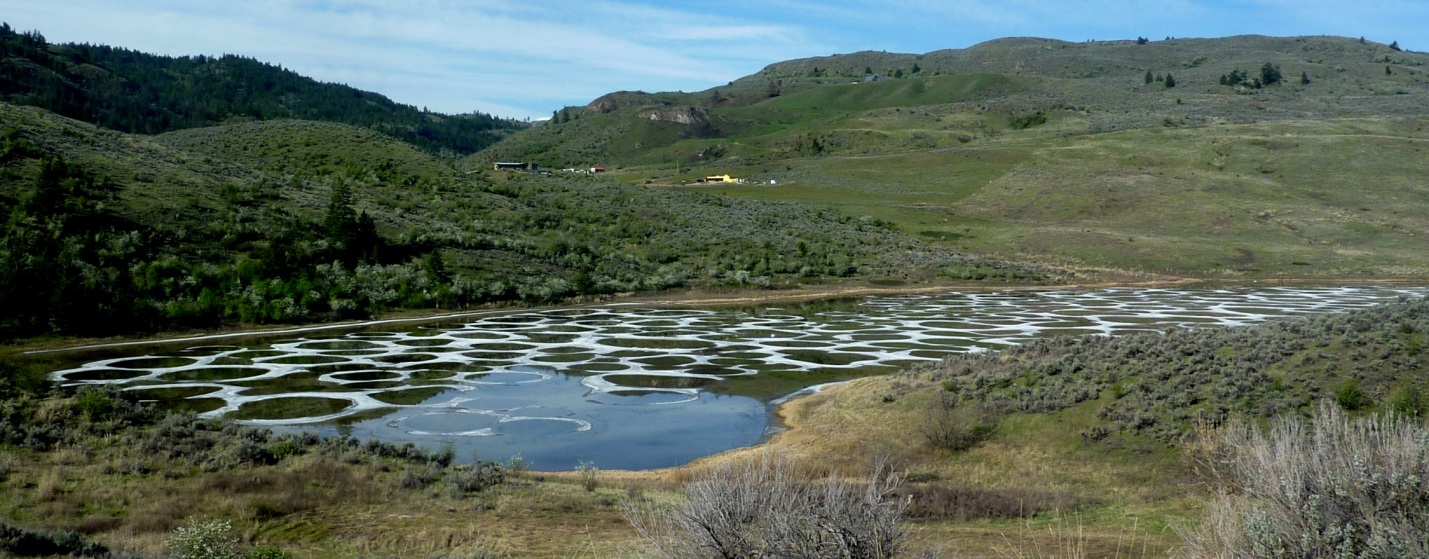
(634, 387)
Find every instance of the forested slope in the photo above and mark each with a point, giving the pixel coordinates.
(293, 221)
(142, 93)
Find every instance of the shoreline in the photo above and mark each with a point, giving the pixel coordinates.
(788, 413)
(675, 299)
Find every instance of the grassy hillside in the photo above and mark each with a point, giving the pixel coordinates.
(283, 221)
(1031, 148)
(312, 149)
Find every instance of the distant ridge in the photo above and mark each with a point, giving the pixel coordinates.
(1102, 79)
(135, 92)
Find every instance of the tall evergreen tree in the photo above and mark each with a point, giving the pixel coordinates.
(1270, 74)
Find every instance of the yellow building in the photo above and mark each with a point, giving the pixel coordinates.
(721, 178)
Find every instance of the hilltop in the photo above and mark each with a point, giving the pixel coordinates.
(1243, 156)
(136, 92)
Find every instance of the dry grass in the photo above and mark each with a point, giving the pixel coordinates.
(317, 506)
(1136, 492)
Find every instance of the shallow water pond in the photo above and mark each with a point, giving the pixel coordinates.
(633, 387)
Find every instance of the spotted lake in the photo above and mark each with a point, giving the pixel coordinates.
(631, 387)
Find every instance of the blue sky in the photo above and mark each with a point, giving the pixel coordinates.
(528, 58)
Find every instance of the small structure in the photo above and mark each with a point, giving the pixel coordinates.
(721, 178)
(597, 169)
(513, 166)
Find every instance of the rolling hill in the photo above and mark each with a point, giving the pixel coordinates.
(1243, 156)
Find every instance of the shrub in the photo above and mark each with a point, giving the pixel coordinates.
(516, 466)
(478, 477)
(26, 543)
(1407, 401)
(1019, 122)
(419, 477)
(204, 539)
(1338, 487)
(957, 429)
(1350, 396)
(589, 474)
(764, 509)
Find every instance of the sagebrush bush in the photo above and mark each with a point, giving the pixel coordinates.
(477, 477)
(765, 509)
(1333, 487)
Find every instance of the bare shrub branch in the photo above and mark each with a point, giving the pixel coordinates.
(765, 509)
(1338, 487)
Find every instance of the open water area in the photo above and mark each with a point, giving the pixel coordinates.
(627, 386)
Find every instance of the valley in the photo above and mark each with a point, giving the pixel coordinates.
(1048, 278)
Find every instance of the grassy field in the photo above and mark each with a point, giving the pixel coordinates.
(1298, 198)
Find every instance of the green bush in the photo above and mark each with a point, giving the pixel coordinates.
(1407, 401)
(1350, 397)
(1020, 122)
(28, 543)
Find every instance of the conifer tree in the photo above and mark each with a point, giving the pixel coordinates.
(1270, 74)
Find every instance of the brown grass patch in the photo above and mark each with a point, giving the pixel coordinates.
(940, 502)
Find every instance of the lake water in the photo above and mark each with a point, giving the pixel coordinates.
(634, 387)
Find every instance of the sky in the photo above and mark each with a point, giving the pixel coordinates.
(525, 59)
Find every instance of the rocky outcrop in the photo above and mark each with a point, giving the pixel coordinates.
(681, 115)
